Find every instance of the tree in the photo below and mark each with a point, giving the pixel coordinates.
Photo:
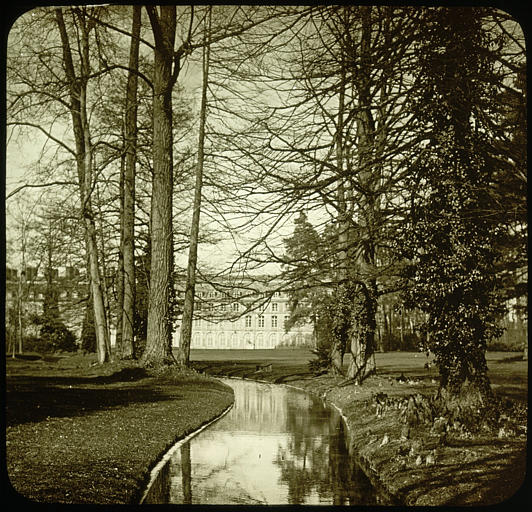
(450, 241)
(77, 84)
(307, 264)
(186, 325)
(348, 69)
(166, 70)
(126, 277)
(54, 334)
(88, 332)
(23, 224)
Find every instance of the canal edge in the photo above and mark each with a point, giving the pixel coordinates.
(363, 462)
(168, 454)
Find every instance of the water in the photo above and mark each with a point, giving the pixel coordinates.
(276, 446)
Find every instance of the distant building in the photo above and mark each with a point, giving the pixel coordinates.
(31, 288)
(241, 317)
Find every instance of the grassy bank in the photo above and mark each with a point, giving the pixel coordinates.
(427, 464)
(77, 432)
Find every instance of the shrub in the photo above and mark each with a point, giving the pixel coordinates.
(323, 361)
(35, 344)
(392, 341)
(55, 336)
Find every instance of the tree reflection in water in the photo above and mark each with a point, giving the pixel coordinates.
(309, 464)
(186, 474)
(276, 446)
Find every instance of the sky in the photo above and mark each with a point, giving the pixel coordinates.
(23, 155)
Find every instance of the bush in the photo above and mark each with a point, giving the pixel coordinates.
(35, 344)
(323, 361)
(139, 344)
(88, 331)
(512, 340)
(55, 336)
(392, 341)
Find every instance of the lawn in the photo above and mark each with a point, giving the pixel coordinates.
(84, 433)
(78, 432)
(507, 370)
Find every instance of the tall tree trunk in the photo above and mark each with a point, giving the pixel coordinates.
(188, 312)
(77, 92)
(364, 311)
(158, 343)
(119, 312)
(103, 267)
(338, 348)
(402, 345)
(128, 221)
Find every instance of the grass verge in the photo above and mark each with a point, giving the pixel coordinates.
(83, 433)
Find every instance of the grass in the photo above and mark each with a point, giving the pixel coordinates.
(83, 433)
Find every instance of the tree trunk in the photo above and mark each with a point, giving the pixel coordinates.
(338, 348)
(119, 313)
(188, 312)
(402, 326)
(77, 91)
(128, 233)
(158, 342)
(364, 322)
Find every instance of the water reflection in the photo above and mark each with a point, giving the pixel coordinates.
(276, 446)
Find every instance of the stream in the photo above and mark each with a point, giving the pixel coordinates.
(277, 445)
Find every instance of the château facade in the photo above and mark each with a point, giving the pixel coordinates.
(226, 316)
(241, 317)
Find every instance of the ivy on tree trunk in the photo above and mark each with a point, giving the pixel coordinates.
(450, 240)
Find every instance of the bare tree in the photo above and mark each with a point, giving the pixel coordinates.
(84, 159)
(163, 21)
(186, 326)
(126, 306)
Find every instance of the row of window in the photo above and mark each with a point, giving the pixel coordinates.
(237, 293)
(209, 342)
(220, 340)
(235, 306)
(35, 295)
(248, 322)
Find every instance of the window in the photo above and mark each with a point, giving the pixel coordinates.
(223, 307)
(235, 306)
(248, 321)
(274, 320)
(261, 320)
(274, 306)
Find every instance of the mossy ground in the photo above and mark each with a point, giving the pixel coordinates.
(77, 432)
